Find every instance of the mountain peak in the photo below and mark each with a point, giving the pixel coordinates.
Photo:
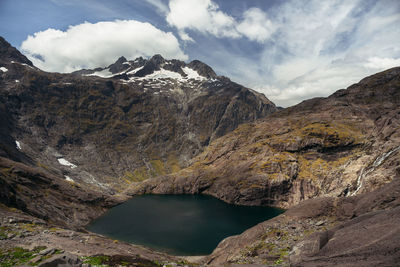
(119, 65)
(202, 68)
(155, 67)
(121, 60)
(157, 59)
(9, 53)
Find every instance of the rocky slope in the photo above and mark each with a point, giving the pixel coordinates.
(348, 231)
(111, 127)
(342, 145)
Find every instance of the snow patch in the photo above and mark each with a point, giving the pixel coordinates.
(27, 65)
(103, 73)
(17, 81)
(163, 74)
(18, 144)
(192, 74)
(65, 162)
(126, 63)
(12, 61)
(3, 69)
(134, 70)
(106, 73)
(69, 179)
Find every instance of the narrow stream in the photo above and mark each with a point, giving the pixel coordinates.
(179, 224)
(365, 171)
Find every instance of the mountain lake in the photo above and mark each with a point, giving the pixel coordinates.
(178, 224)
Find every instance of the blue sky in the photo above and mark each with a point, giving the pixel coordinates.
(290, 50)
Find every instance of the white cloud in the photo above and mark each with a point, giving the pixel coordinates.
(206, 17)
(200, 15)
(319, 82)
(382, 63)
(184, 36)
(90, 45)
(255, 25)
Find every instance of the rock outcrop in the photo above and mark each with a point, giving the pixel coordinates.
(346, 231)
(44, 195)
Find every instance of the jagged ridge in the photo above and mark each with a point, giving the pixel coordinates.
(139, 68)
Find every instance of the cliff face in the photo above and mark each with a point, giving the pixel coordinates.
(47, 197)
(342, 145)
(349, 231)
(118, 125)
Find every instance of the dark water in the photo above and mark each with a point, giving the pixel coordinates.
(178, 224)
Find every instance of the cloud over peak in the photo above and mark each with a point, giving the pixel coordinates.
(90, 45)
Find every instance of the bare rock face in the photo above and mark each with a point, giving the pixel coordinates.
(65, 259)
(9, 53)
(341, 145)
(346, 231)
(48, 197)
(111, 127)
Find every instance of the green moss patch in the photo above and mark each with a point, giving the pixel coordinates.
(18, 256)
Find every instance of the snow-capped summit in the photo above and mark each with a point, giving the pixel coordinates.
(154, 68)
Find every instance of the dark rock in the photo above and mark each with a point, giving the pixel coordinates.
(61, 260)
(354, 243)
(150, 66)
(118, 66)
(202, 68)
(52, 203)
(9, 53)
